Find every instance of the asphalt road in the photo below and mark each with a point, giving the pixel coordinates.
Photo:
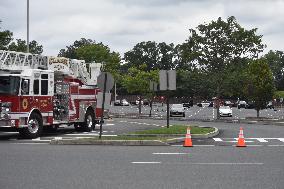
(255, 133)
(33, 166)
(211, 163)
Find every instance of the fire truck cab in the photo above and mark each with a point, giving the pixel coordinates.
(39, 92)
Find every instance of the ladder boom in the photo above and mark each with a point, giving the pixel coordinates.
(11, 60)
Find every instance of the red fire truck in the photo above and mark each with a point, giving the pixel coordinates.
(40, 92)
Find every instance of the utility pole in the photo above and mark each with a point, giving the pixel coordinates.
(28, 26)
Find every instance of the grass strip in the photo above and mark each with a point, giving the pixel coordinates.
(123, 137)
(177, 129)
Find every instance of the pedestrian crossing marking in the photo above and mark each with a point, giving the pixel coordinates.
(249, 140)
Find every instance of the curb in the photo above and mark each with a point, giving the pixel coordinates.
(109, 142)
(132, 142)
(196, 136)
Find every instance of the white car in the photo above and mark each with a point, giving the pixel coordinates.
(124, 102)
(225, 111)
(177, 109)
(137, 102)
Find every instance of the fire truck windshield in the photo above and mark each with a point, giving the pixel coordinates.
(9, 85)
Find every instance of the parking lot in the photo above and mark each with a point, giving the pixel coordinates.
(195, 112)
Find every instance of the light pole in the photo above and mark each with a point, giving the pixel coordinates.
(28, 24)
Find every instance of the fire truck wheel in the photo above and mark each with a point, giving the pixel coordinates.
(89, 123)
(34, 128)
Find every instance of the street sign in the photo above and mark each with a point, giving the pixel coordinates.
(105, 83)
(167, 80)
(109, 81)
(172, 80)
(100, 100)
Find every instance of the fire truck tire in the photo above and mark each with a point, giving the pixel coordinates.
(89, 123)
(34, 128)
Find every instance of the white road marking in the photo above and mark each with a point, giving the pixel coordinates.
(169, 153)
(90, 134)
(260, 139)
(248, 140)
(153, 162)
(281, 139)
(156, 125)
(36, 140)
(217, 139)
(198, 145)
(253, 145)
(204, 145)
(123, 121)
(9, 132)
(226, 163)
(30, 143)
(275, 145)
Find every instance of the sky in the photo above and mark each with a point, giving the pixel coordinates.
(121, 24)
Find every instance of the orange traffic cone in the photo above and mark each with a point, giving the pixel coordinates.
(241, 139)
(187, 141)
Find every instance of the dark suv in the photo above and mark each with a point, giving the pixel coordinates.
(242, 104)
(188, 104)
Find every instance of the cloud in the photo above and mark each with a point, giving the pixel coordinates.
(124, 23)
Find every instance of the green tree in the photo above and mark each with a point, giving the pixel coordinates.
(153, 55)
(21, 46)
(260, 86)
(101, 54)
(217, 46)
(193, 83)
(7, 43)
(137, 81)
(275, 60)
(6, 37)
(70, 51)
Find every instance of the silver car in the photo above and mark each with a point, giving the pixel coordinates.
(225, 111)
(177, 110)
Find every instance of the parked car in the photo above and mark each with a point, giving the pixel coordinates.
(117, 103)
(137, 102)
(250, 105)
(133, 102)
(124, 102)
(146, 102)
(177, 109)
(225, 111)
(228, 103)
(270, 105)
(188, 104)
(242, 104)
(203, 104)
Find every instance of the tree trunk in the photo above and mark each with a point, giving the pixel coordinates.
(218, 107)
(140, 105)
(151, 106)
(257, 113)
